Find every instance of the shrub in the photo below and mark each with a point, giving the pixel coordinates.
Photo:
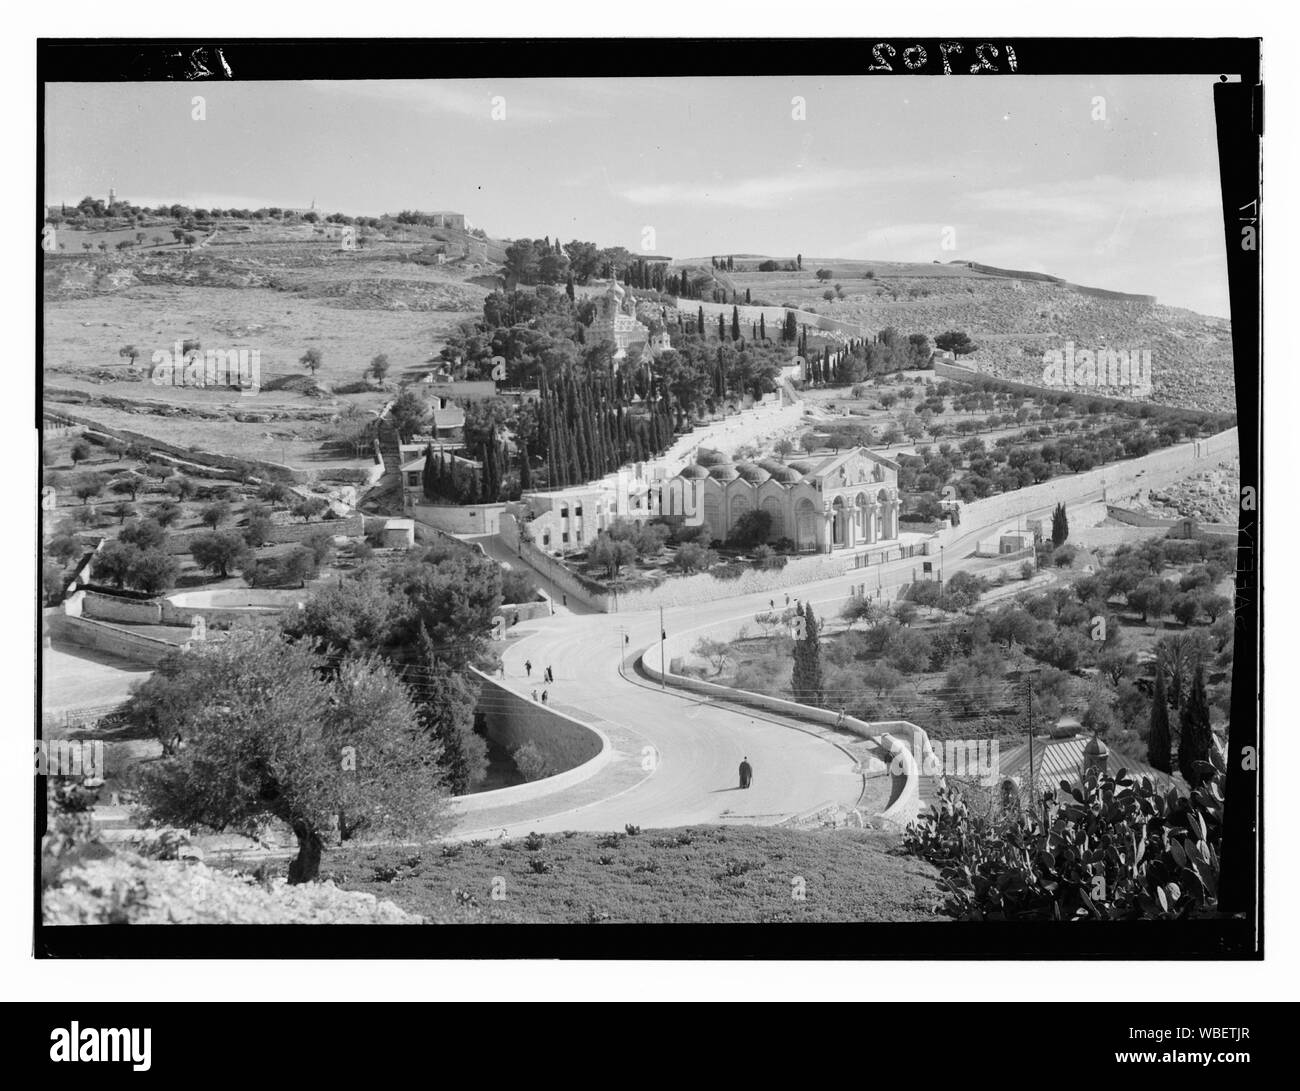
(1073, 858)
(732, 570)
(532, 765)
(693, 557)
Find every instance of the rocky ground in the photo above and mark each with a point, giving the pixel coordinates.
(1209, 496)
(121, 888)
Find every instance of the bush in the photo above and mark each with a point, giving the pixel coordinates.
(517, 586)
(693, 557)
(1003, 865)
(532, 765)
(1064, 556)
(732, 570)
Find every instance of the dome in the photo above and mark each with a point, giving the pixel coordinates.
(615, 289)
(801, 467)
(756, 475)
(785, 475)
(724, 471)
(1095, 748)
(706, 457)
(694, 470)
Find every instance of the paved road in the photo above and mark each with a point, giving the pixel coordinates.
(676, 756)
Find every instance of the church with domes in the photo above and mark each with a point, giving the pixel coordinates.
(616, 321)
(823, 504)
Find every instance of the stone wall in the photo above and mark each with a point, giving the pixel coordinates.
(112, 608)
(103, 637)
(685, 590)
(513, 719)
(229, 604)
(217, 465)
(1091, 485)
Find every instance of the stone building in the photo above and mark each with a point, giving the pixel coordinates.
(616, 321)
(823, 504)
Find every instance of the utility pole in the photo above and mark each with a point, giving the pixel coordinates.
(663, 637)
(1029, 719)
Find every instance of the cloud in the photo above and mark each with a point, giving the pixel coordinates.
(758, 193)
(525, 100)
(1102, 199)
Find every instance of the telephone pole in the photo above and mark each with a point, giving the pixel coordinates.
(663, 637)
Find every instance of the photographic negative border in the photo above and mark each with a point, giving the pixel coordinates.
(1238, 103)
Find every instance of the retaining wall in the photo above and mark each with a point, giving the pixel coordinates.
(110, 608)
(580, 749)
(228, 604)
(217, 465)
(1087, 487)
(71, 628)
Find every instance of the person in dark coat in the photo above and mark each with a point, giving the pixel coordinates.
(746, 773)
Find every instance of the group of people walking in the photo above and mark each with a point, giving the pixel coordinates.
(548, 676)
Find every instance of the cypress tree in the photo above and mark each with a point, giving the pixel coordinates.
(762, 326)
(525, 472)
(735, 323)
(806, 678)
(699, 321)
(1194, 735)
(1159, 753)
(722, 327)
(1060, 526)
(430, 482)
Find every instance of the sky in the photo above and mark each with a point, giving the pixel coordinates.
(1106, 181)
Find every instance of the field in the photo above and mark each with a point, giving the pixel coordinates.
(279, 290)
(696, 874)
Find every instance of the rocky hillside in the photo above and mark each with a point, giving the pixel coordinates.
(1015, 321)
(1208, 496)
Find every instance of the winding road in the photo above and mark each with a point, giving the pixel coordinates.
(675, 755)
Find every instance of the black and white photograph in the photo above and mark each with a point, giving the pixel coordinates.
(802, 492)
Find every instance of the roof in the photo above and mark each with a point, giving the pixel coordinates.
(400, 524)
(1061, 759)
(451, 417)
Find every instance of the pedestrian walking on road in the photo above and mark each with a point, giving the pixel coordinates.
(528, 667)
(839, 722)
(503, 670)
(564, 597)
(534, 695)
(746, 772)
(550, 675)
(787, 598)
(771, 604)
(543, 696)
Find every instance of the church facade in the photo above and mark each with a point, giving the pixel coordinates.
(823, 504)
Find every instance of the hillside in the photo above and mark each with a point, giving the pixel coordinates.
(1013, 319)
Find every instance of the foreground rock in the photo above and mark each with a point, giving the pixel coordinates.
(127, 889)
